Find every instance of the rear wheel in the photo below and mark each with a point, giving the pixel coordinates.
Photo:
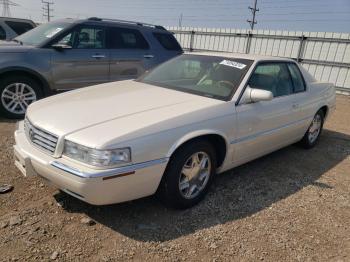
(188, 176)
(314, 131)
(16, 94)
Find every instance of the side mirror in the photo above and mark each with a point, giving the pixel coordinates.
(61, 47)
(253, 95)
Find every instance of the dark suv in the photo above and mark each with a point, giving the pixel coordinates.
(68, 54)
(12, 27)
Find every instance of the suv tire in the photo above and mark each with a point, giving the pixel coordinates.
(16, 94)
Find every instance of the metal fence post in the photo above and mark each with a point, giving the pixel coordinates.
(301, 48)
(249, 40)
(192, 40)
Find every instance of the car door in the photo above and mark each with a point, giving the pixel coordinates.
(85, 59)
(131, 54)
(265, 126)
(303, 101)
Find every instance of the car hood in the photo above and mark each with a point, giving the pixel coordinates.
(13, 47)
(127, 103)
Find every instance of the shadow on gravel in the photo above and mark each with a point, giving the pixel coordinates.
(5, 120)
(235, 194)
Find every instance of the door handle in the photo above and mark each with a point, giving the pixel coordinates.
(148, 56)
(98, 56)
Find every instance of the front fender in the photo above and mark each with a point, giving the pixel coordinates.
(195, 134)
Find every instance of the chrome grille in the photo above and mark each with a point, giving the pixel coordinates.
(40, 137)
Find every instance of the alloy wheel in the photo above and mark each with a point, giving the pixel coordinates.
(195, 175)
(315, 128)
(16, 97)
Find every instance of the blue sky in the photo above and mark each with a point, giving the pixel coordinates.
(301, 15)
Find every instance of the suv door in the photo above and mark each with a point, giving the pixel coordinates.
(130, 53)
(265, 126)
(85, 59)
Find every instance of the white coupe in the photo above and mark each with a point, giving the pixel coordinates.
(173, 129)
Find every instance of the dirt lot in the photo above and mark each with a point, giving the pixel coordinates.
(291, 205)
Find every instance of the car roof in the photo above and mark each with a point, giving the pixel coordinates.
(16, 19)
(114, 22)
(253, 57)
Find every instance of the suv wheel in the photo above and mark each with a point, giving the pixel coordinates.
(188, 175)
(313, 133)
(16, 94)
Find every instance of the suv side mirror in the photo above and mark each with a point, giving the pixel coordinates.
(61, 47)
(253, 95)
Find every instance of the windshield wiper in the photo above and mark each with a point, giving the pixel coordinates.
(17, 41)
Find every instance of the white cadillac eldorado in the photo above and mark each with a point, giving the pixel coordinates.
(173, 129)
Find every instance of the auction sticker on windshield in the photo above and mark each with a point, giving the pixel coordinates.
(233, 64)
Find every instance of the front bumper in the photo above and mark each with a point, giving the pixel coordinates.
(97, 187)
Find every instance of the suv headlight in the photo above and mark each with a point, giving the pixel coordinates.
(95, 157)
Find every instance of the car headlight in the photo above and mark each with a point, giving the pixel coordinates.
(95, 157)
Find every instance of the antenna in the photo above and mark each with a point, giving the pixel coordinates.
(254, 10)
(6, 7)
(47, 10)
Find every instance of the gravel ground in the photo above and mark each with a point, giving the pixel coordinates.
(292, 205)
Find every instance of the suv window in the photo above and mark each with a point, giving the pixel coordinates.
(125, 38)
(168, 41)
(274, 77)
(297, 78)
(90, 38)
(85, 38)
(19, 27)
(2, 33)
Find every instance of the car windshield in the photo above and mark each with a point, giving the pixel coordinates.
(42, 33)
(210, 76)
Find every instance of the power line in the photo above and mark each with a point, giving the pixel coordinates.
(180, 20)
(6, 7)
(254, 10)
(47, 10)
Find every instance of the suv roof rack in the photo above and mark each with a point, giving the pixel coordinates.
(126, 22)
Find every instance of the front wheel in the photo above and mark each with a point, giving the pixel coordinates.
(16, 94)
(188, 175)
(314, 131)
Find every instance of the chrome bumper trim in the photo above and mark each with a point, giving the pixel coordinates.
(108, 172)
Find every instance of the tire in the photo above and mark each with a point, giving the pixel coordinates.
(169, 190)
(13, 104)
(311, 138)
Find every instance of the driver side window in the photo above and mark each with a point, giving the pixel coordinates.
(85, 38)
(273, 77)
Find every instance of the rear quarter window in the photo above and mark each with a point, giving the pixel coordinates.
(167, 41)
(126, 38)
(19, 27)
(297, 78)
(2, 33)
